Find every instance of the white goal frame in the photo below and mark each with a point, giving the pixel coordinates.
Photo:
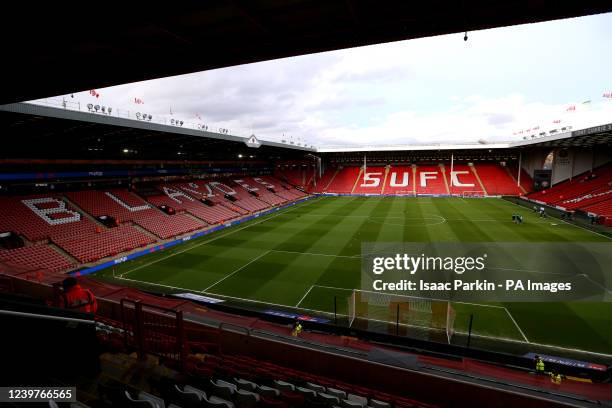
(473, 194)
(417, 304)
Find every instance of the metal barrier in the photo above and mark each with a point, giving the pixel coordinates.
(154, 330)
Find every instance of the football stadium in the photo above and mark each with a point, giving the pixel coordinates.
(164, 242)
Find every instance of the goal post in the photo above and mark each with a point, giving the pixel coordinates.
(414, 316)
(473, 194)
(450, 321)
(351, 308)
(419, 317)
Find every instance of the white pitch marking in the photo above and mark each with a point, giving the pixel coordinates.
(304, 297)
(217, 237)
(517, 326)
(237, 270)
(381, 321)
(315, 254)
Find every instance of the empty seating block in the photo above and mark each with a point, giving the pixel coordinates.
(246, 200)
(43, 217)
(36, 256)
(296, 176)
(371, 182)
(430, 180)
(399, 180)
(497, 180)
(324, 181)
(462, 179)
(344, 180)
(578, 186)
(590, 192)
(108, 242)
(125, 206)
(168, 226)
(179, 199)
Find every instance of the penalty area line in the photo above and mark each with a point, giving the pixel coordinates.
(516, 324)
(304, 297)
(237, 270)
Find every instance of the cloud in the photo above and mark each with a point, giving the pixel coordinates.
(428, 90)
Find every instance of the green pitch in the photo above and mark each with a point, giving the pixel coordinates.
(305, 255)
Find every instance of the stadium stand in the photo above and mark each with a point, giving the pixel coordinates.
(36, 256)
(295, 176)
(589, 199)
(482, 178)
(283, 190)
(262, 187)
(323, 184)
(106, 242)
(463, 179)
(496, 180)
(126, 206)
(400, 180)
(430, 180)
(603, 209)
(53, 218)
(42, 217)
(344, 180)
(177, 198)
(526, 180)
(206, 190)
(245, 199)
(589, 191)
(373, 182)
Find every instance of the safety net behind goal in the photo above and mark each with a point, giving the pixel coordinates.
(417, 317)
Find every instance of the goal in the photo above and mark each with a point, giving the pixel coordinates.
(412, 316)
(472, 194)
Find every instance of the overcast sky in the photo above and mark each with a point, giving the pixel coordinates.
(435, 89)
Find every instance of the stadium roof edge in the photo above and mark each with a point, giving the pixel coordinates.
(441, 146)
(86, 116)
(559, 139)
(70, 48)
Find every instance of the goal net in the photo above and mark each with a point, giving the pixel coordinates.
(407, 315)
(473, 194)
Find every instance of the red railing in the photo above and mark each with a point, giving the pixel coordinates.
(154, 330)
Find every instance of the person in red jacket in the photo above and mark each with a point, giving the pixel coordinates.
(76, 298)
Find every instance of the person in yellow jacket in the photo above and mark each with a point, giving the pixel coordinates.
(539, 365)
(297, 328)
(555, 377)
